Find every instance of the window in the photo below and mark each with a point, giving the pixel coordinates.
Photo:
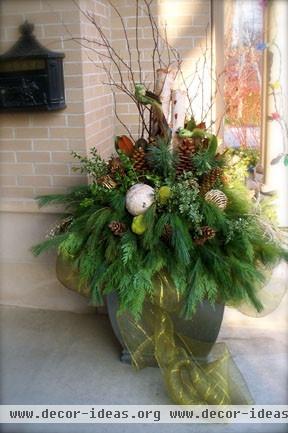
(243, 79)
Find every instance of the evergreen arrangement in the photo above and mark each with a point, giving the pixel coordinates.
(150, 209)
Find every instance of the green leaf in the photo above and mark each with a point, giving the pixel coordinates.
(286, 160)
(212, 149)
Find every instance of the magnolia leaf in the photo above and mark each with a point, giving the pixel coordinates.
(286, 160)
(277, 159)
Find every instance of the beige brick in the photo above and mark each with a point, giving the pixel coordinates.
(69, 180)
(72, 68)
(67, 132)
(58, 169)
(34, 180)
(49, 17)
(18, 169)
(52, 44)
(74, 95)
(6, 132)
(48, 119)
(73, 56)
(75, 120)
(50, 144)
(33, 156)
(15, 144)
(58, 30)
(8, 180)
(69, 44)
(69, 16)
(143, 22)
(50, 190)
(12, 19)
(77, 145)
(75, 108)
(62, 157)
(16, 6)
(59, 5)
(31, 132)
(73, 82)
(14, 119)
(18, 191)
(7, 156)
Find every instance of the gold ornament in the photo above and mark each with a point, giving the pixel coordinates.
(217, 197)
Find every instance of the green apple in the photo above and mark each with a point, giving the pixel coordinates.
(138, 226)
(164, 194)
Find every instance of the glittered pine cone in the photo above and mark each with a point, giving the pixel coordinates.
(107, 181)
(217, 197)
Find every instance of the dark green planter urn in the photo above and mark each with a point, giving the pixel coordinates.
(204, 327)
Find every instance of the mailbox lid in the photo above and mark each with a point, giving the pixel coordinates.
(28, 47)
(31, 76)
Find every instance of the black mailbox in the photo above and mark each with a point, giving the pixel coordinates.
(31, 76)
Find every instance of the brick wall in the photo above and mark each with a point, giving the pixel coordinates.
(188, 30)
(35, 147)
(98, 107)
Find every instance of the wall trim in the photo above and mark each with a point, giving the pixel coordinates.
(28, 206)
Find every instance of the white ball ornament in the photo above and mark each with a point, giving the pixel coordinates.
(139, 198)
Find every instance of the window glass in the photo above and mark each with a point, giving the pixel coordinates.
(243, 28)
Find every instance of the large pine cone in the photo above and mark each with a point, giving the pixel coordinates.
(209, 179)
(186, 149)
(139, 158)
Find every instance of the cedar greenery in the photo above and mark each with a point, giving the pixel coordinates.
(228, 268)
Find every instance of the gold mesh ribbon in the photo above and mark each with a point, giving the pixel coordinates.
(189, 375)
(68, 275)
(188, 380)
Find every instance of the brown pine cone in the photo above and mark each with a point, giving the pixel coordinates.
(115, 166)
(208, 180)
(117, 228)
(167, 233)
(139, 158)
(207, 233)
(186, 149)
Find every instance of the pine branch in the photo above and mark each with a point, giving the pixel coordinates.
(161, 159)
(48, 244)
